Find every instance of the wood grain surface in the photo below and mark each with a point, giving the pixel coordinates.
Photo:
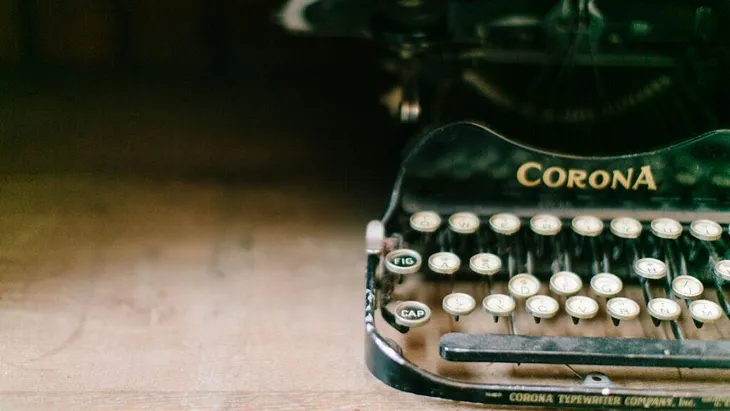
(125, 293)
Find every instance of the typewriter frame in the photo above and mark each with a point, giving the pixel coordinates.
(389, 365)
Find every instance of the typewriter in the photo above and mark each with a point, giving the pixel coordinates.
(558, 234)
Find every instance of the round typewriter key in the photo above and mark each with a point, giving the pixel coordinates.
(587, 225)
(444, 262)
(580, 307)
(485, 264)
(464, 223)
(403, 261)
(545, 224)
(542, 306)
(664, 309)
(505, 223)
(523, 285)
(565, 283)
(425, 221)
(705, 230)
(650, 268)
(722, 269)
(626, 227)
(412, 314)
(666, 228)
(705, 311)
(499, 305)
(458, 304)
(620, 308)
(606, 285)
(687, 287)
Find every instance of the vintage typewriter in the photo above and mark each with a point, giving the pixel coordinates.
(558, 232)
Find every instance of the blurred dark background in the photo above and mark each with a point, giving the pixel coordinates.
(195, 88)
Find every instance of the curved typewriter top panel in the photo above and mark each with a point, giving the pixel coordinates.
(468, 166)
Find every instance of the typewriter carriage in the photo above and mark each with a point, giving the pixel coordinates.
(568, 68)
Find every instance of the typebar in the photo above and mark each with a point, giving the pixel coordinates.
(462, 347)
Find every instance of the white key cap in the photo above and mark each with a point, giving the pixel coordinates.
(444, 263)
(581, 307)
(650, 268)
(485, 264)
(565, 283)
(705, 230)
(687, 287)
(523, 286)
(587, 225)
(464, 223)
(545, 224)
(505, 223)
(425, 221)
(664, 309)
(626, 227)
(606, 285)
(374, 237)
(458, 304)
(412, 314)
(666, 228)
(722, 269)
(705, 311)
(499, 305)
(403, 261)
(542, 306)
(622, 308)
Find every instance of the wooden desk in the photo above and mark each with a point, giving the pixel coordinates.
(125, 293)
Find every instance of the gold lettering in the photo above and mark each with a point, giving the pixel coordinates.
(576, 178)
(646, 178)
(547, 178)
(588, 399)
(530, 397)
(650, 402)
(720, 402)
(604, 177)
(556, 177)
(619, 178)
(522, 174)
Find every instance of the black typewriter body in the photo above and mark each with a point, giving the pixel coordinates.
(558, 234)
(466, 167)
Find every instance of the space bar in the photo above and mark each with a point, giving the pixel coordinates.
(461, 347)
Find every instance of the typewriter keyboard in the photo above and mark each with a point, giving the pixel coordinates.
(546, 290)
